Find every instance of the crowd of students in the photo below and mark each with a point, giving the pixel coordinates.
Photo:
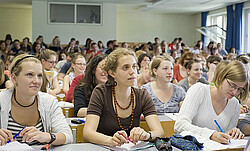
(115, 87)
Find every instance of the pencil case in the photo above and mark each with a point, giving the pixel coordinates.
(186, 142)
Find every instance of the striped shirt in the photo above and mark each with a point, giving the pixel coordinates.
(15, 127)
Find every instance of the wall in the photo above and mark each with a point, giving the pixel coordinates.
(143, 27)
(102, 32)
(15, 21)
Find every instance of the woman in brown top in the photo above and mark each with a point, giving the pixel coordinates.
(113, 115)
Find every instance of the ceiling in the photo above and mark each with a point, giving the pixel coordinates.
(159, 6)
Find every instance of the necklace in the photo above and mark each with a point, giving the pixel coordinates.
(21, 104)
(117, 104)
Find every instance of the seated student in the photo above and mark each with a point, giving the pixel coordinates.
(48, 60)
(70, 94)
(194, 71)
(167, 96)
(115, 108)
(93, 51)
(212, 62)
(205, 103)
(62, 59)
(196, 49)
(77, 68)
(66, 66)
(7, 63)
(93, 76)
(221, 51)
(143, 60)
(244, 124)
(26, 107)
(143, 77)
(180, 71)
(4, 79)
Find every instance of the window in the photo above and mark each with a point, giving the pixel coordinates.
(88, 14)
(62, 13)
(74, 13)
(218, 24)
(246, 33)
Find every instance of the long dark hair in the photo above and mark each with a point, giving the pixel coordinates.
(88, 81)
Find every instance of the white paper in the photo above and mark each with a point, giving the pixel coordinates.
(66, 104)
(130, 146)
(173, 116)
(16, 146)
(212, 145)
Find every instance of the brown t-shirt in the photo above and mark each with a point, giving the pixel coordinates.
(101, 104)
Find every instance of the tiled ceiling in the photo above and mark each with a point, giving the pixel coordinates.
(162, 6)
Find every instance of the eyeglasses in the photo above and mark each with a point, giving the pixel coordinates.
(235, 87)
(52, 62)
(81, 64)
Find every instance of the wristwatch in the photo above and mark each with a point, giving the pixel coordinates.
(53, 138)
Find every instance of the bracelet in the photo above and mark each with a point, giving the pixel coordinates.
(150, 136)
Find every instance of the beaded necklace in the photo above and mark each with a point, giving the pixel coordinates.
(117, 104)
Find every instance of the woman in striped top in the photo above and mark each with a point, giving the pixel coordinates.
(25, 107)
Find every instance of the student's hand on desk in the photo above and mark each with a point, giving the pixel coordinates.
(235, 133)
(5, 136)
(138, 134)
(220, 137)
(31, 134)
(119, 138)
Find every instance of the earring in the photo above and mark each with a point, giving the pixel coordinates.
(114, 83)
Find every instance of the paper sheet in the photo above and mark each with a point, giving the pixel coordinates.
(212, 145)
(65, 104)
(130, 146)
(16, 146)
(173, 116)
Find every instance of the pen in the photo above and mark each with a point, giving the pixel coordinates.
(81, 121)
(127, 138)
(220, 128)
(16, 135)
(45, 147)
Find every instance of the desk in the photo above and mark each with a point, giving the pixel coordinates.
(87, 147)
(77, 130)
(166, 122)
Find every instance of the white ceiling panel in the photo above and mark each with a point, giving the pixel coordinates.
(161, 6)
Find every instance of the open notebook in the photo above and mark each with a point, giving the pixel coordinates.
(14, 146)
(212, 145)
(130, 146)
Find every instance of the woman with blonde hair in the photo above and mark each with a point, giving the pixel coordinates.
(167, 96)
(4, 79)
(113, 115)
(77, 68)
(205, 103)
(24, 108)
(48, 59)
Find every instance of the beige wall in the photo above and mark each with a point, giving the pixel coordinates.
(143, 27)
(17, 22)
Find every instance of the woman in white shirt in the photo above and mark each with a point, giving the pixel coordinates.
(204, 103)
(48, 60)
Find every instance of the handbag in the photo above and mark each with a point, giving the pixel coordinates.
(186, 142)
